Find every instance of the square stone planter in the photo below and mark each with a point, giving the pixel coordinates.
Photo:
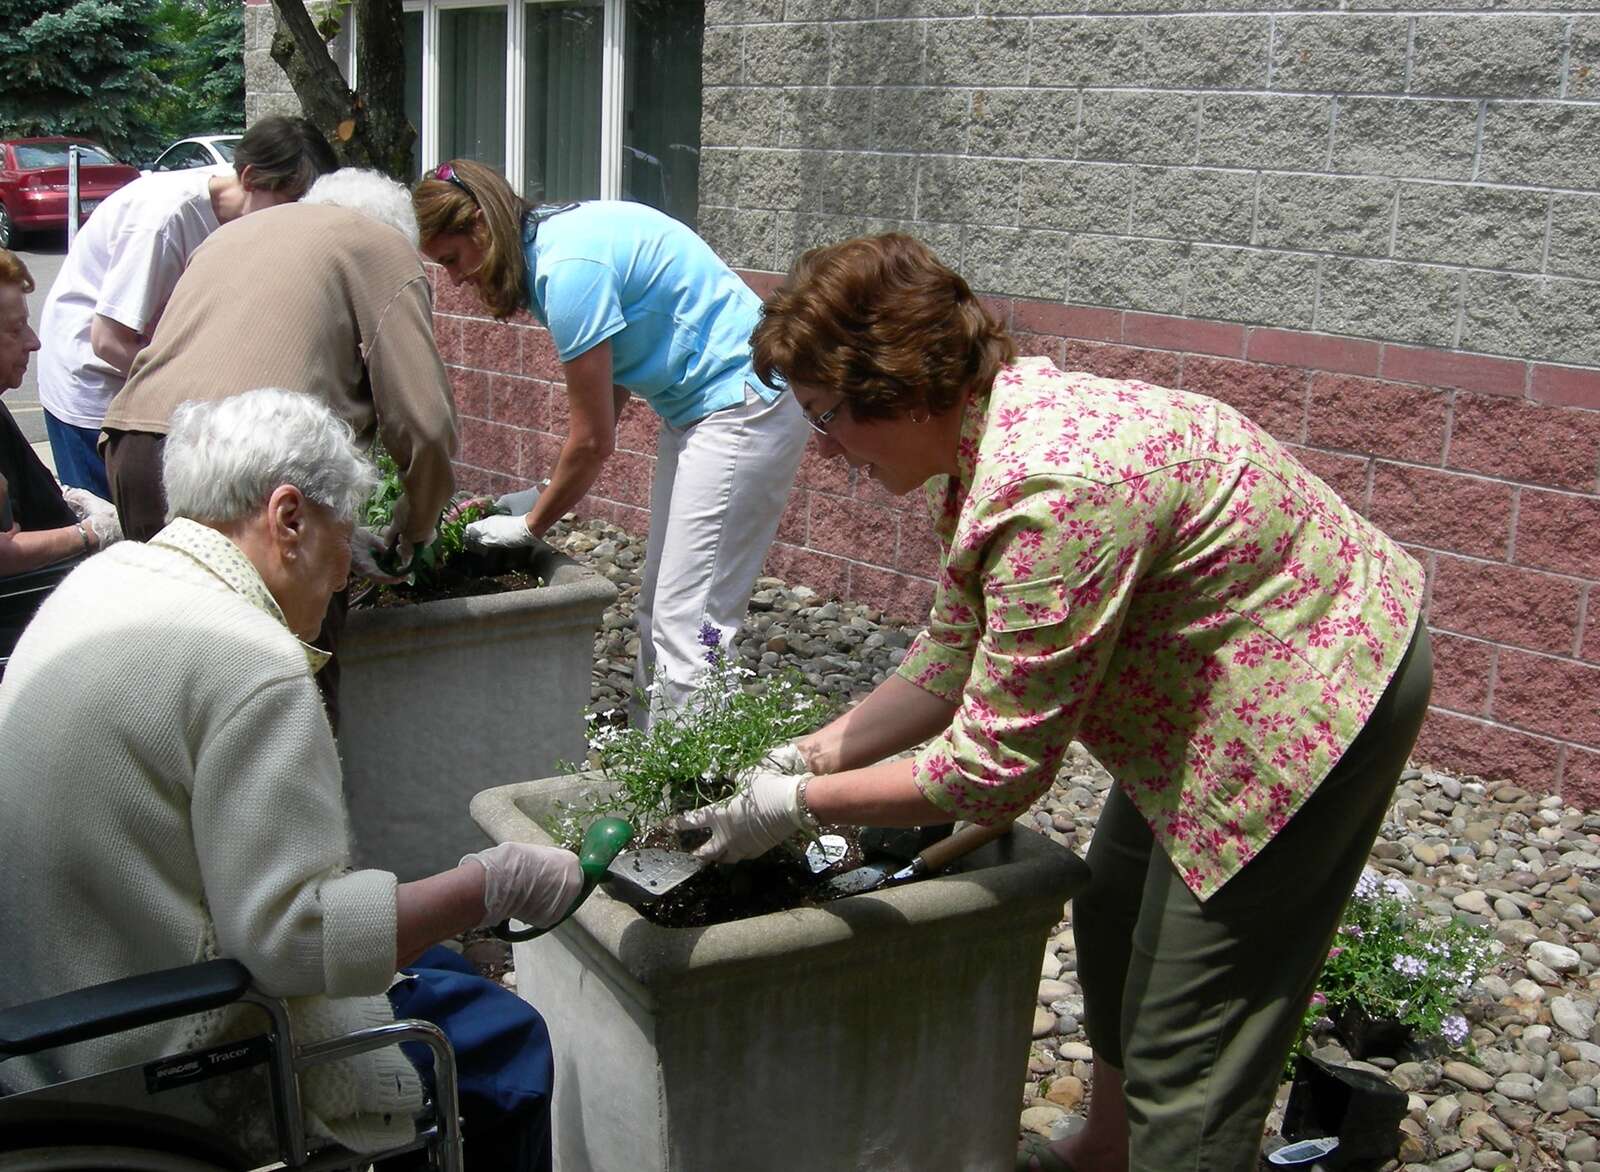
(440, 699)
(886, 1031)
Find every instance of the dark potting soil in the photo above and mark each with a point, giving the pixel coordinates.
(447, 585)
(775, 882)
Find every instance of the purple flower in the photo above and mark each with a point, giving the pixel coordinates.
(710, 638)
(1454, 1029)
(1409, 966)
(1367, 885)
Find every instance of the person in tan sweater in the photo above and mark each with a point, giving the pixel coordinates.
(327, 295)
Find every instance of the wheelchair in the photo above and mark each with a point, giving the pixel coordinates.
(124, 1119)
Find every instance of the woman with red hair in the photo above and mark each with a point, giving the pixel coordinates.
(1148, 572)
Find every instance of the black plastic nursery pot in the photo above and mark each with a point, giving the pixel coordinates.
(1362, 1109)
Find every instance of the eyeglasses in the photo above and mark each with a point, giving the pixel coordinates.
(447, 173)
(819, 423)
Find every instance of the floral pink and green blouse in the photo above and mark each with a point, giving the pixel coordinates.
(1147, 571)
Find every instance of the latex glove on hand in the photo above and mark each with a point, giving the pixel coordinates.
(365, 549)
(534, 884)
(499, 532)
(786, 758)
(98, 516)
(752, 821)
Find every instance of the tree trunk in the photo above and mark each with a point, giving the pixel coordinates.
(367, 128)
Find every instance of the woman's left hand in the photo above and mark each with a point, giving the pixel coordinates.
(787, 758)
(751, 822)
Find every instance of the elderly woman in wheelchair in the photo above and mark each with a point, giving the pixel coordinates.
(170, 795)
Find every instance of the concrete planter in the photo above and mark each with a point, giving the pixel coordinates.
(440, 699)
(886, 1031)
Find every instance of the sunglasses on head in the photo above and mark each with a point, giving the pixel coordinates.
(447, 173)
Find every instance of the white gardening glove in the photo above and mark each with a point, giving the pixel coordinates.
(499, 532)
(365, 547)
(98, 516)
(534, 884)
(786, 758)
(753, 821)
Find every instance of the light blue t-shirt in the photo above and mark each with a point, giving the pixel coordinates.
(678, 319)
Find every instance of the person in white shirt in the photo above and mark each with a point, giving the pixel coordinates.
(124, 263)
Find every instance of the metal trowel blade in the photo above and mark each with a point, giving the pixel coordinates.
(854, 882)
(650, 872)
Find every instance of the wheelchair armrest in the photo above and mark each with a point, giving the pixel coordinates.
(120, 1005)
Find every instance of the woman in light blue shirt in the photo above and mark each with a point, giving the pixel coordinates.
(636, 304)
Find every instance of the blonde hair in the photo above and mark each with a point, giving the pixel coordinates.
(14, 272)
(450, 207)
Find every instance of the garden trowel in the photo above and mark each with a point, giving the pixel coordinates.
(933, 858)
(646, 874)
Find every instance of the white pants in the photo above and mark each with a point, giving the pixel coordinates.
(720, 487)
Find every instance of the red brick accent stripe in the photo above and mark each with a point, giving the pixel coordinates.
(1566, 386)
(1328, 352)
(1448, 368)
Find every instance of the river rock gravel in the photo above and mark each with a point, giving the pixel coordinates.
(1523, 1093)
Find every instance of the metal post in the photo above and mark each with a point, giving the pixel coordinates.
(72, 194)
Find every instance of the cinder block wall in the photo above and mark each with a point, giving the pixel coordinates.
(1372, 225)
(1417, 177)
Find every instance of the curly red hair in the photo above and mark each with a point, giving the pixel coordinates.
(883, 321)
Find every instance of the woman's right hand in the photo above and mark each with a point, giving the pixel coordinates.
(499, 532)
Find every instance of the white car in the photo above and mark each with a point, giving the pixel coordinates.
(203, 150)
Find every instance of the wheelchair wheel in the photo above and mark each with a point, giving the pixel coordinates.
(101, 1158)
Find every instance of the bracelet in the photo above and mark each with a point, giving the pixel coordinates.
(83, 536)
(808, 820)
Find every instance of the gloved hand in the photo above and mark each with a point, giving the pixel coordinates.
(499, 532)
(534, 884)
(365, 549)
(98, 516)
(786, 758)
(752, 821)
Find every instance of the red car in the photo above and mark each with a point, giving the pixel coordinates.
(33, 183)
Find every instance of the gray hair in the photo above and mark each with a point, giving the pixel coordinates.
(372, 193)
(224, 458)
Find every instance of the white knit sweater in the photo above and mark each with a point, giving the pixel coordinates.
(170, 792)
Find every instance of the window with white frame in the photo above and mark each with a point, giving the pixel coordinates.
(570, 99)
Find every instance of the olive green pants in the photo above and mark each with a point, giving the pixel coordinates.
(1198, 1003)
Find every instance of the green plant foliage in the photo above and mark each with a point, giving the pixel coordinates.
(450, 539)
(84, 67)
(704, 751)
(133, 75)
(200, 54)
(1394, 963)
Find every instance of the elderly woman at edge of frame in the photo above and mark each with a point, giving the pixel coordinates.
(170, 793)
(1149, 572)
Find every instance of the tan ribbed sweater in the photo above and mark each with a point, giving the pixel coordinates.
(169, 793)
(317, 299)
